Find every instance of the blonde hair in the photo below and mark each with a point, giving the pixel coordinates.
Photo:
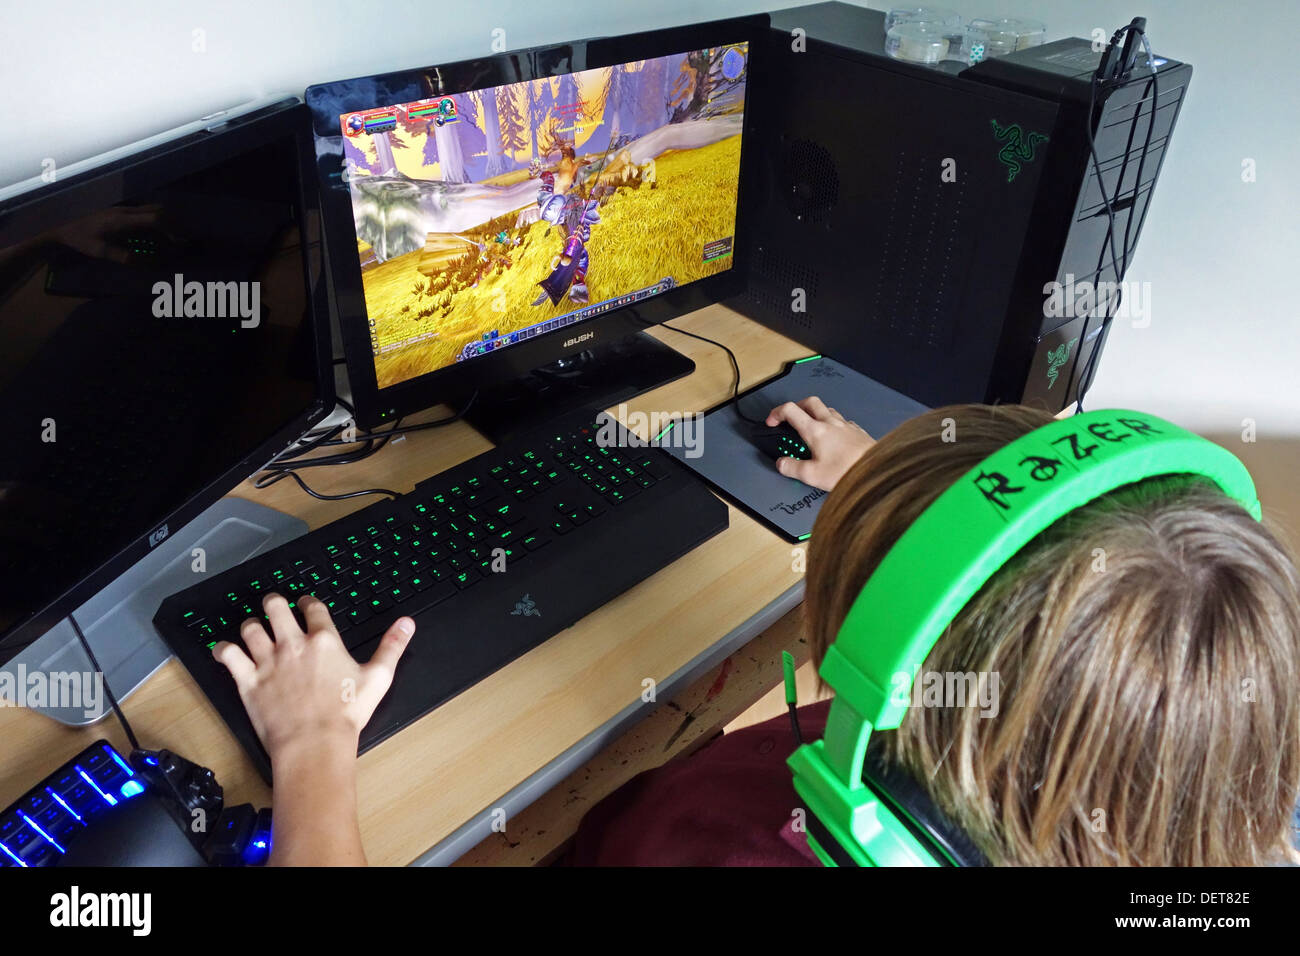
(1147, 648)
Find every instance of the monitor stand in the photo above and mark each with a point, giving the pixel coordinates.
(597, 378)
(118, 621)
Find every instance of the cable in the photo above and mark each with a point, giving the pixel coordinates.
(399, 429)
(280, 467)
(312, 440)
(735, 369)
(372, 444)
(1119, 271)
(108, 691)
(1146, 147)
(267, 479)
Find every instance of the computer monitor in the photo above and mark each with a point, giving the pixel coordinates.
(157, 345)
(489, 217)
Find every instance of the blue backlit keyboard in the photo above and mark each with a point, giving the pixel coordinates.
(37, 829)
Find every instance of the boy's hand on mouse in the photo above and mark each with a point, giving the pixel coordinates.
(304, 688)
(836, 443)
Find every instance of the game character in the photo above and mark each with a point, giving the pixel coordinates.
(561, 179)
(622, 171)
(576, 215)
(569, 269)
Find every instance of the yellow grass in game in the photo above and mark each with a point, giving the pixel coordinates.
(644, 235)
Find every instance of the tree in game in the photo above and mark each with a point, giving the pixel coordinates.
(540, 103)
(496, 162)
(512, 124)
(568, 105)
(420, 127)
(670, 78)
(384, 144)
(451, 160)
(652, 111)
(620, 98)
(473, 142)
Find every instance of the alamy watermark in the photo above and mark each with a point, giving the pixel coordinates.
(949, 689)
(65, 690)
(670, 430)
(1071, 299)
(209, 300)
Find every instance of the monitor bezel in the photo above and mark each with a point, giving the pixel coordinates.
(453, 383)
(35, 211)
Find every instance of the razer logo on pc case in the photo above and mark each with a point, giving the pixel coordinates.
(1056, 358)
(526, 608)
(1019, 147)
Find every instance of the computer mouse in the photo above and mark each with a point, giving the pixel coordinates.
(779, 442)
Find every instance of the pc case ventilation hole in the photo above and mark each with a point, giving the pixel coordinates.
(809, 181)
(776, 278)
(921, 254)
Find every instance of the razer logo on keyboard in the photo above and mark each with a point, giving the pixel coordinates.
(526, 608)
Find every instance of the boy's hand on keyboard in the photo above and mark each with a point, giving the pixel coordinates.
(308, 700)
(304, 687)
(835, 442)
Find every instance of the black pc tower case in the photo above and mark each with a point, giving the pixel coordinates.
(914, 218)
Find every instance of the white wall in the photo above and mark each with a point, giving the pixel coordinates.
(1223, 345)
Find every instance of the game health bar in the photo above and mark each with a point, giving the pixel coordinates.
(492, 341)
(445, 112)
(381, 124)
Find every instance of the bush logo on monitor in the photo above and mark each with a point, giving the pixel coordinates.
(581, 338)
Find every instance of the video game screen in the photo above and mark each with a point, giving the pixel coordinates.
(492, 216)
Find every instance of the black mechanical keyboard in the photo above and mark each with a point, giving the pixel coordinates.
(490, 558)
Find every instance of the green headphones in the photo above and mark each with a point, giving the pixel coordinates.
(935, 568)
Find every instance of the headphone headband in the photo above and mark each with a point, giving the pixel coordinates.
(948, 553)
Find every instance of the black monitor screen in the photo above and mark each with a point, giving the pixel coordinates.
(146, 347)
(488, 217)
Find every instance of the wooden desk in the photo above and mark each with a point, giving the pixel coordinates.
(428, 794)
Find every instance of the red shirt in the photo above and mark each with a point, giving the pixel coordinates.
(731, 803)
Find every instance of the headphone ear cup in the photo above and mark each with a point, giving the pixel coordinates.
(912, 805)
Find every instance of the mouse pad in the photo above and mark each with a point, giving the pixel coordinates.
(724, 456)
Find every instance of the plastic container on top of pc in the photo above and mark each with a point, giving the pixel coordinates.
(930, 35)
(1009, 34)
(923, 34)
